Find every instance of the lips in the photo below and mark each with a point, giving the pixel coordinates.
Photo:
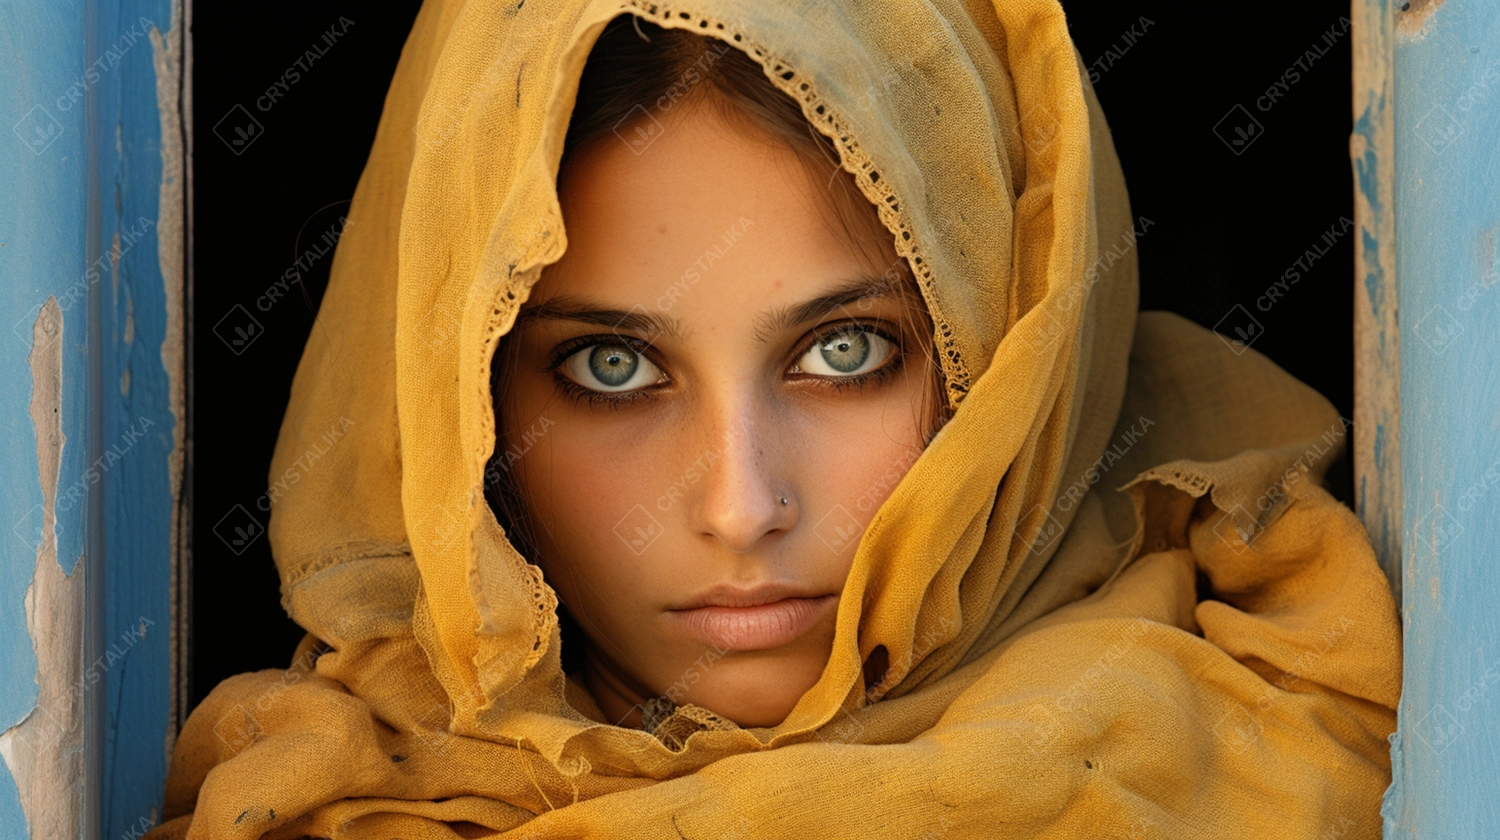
(752, 620)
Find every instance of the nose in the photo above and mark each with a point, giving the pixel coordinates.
(740, 492)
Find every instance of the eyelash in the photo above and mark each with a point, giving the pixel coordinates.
(859, 380)
(580, 394)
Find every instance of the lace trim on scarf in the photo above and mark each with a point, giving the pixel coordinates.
(673, 724)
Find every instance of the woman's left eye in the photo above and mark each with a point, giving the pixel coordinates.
(611, 368)
(847, 352)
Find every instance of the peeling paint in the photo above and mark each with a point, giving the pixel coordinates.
(1414, 20)
(85, 746)
(167, 58)
(45, 751)
(1375, 276)
(1377, 345)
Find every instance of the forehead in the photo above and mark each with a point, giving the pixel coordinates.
(712, 203)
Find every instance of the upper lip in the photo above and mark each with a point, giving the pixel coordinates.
(729, 595)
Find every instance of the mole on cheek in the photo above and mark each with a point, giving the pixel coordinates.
(662, 229)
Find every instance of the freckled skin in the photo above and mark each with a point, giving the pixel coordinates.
(712, 454)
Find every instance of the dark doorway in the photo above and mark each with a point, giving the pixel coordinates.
(300, 85)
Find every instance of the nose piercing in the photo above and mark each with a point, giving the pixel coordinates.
(783, 500)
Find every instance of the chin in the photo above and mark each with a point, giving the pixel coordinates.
(758, 692)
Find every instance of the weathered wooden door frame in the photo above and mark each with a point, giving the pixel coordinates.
(94, 171)
(1427, 393)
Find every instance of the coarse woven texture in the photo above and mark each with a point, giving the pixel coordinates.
(1109, 610)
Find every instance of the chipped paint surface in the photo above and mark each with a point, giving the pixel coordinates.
(45, 751)
(142, 497)
(167, 61)
(94, 223)
(1446, 107)
(1416, 19)
(1377, 381)
(50, 252)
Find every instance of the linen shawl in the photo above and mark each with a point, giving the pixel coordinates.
(1106, 611)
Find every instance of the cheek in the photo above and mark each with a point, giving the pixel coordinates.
(590, 497)
(592, 486)
(854, 459)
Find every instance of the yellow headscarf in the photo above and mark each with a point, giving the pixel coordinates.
(1052, 669)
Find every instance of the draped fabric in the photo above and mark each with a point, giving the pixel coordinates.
(1114, 597)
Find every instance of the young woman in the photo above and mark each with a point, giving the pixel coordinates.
(784, 369)
(747, 430)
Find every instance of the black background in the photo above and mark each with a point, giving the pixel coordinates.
(1225, 225)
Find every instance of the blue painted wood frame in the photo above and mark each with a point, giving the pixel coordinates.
(91, 253)
(1446, 191)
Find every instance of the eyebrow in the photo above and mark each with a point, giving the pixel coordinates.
(566, 307)
(850, 291)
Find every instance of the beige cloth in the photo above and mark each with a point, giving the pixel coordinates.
(1212, 652)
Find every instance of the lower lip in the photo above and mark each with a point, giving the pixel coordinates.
(754, 628)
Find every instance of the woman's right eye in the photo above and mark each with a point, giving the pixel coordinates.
(611, 368)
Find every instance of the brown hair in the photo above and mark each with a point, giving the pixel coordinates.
(636, 64)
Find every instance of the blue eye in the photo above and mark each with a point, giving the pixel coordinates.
(611, 367)
(847, 352)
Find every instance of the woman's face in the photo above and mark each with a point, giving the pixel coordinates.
(708, 346)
